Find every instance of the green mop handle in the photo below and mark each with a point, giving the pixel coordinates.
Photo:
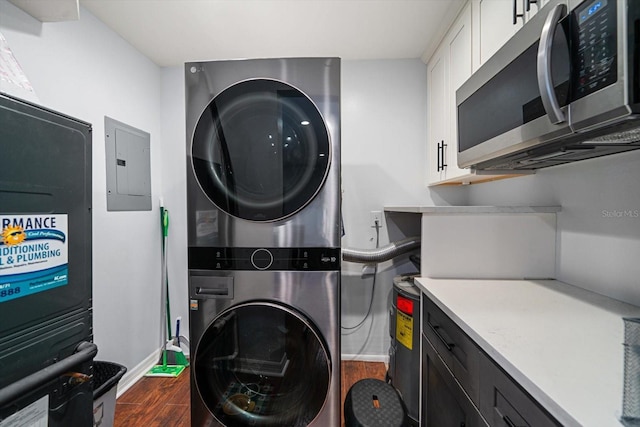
(164, 218)
(165, 221)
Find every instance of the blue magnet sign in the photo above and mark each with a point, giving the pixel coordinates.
(33, 254)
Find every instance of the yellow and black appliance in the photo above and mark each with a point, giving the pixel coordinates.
(404, 351)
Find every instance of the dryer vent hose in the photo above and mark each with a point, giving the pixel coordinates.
(385, 253)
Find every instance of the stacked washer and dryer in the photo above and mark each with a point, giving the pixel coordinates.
(263, 178)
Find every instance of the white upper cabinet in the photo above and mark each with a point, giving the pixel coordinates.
(437, 120)
(496, 24)
(533, 7)
(498, 20)
(459, 46)
(448, 68)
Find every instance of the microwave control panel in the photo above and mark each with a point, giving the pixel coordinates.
(596, 38)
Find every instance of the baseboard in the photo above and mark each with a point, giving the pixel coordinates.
(367, 358)
(137, 372)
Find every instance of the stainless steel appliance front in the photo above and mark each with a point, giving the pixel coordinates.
(263, 157)
(564, 88)
(265, 351)
(263, 205)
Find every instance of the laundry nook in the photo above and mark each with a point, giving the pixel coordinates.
(322, 213)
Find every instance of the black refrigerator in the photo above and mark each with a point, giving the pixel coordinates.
(46, 335)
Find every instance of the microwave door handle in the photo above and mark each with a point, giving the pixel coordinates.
(545, 82)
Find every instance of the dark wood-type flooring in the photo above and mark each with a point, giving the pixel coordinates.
(164, 402)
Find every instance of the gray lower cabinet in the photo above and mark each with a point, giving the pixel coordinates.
(444, 402)
(463, 387)
(458, 352)
(505, 403)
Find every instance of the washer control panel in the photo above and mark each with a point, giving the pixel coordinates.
(262, 259)
(268, 259)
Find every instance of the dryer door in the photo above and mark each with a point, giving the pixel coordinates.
(261, 150)
(262, 364)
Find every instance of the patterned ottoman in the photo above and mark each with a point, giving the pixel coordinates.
(373, 403)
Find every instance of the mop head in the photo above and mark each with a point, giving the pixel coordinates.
(167, 371)
(164, 369)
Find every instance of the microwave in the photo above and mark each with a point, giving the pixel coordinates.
(564, 88)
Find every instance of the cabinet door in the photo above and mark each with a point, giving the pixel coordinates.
(448, 68)
(534, 7)
(437, 112)
(459, 48)
(444, 403)
(504, 404)
(455, 348)
(496, 24)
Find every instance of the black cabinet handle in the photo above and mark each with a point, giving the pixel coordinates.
(436, 331)
(441, 156)
(443, 152)
(517, 15)
(529, 2)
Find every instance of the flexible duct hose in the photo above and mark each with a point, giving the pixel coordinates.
(385, 253)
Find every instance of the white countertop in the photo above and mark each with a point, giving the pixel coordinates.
(561, 343)
(472, 209)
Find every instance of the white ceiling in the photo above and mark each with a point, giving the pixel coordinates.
(171, 32)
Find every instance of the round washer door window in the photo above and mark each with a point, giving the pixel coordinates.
(261, 150)
(262, 364)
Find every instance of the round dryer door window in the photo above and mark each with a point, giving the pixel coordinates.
(261, 150)
(262, 364)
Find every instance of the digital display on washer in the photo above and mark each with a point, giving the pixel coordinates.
(284, 259)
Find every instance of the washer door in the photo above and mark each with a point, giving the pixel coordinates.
(262, 364)
(261, 150)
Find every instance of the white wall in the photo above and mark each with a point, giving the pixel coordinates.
(383, 164)
(598, 240)
(84, 70)
(174, 185)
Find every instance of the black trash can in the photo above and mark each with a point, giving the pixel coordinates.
(374, 403)
(105, 381)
